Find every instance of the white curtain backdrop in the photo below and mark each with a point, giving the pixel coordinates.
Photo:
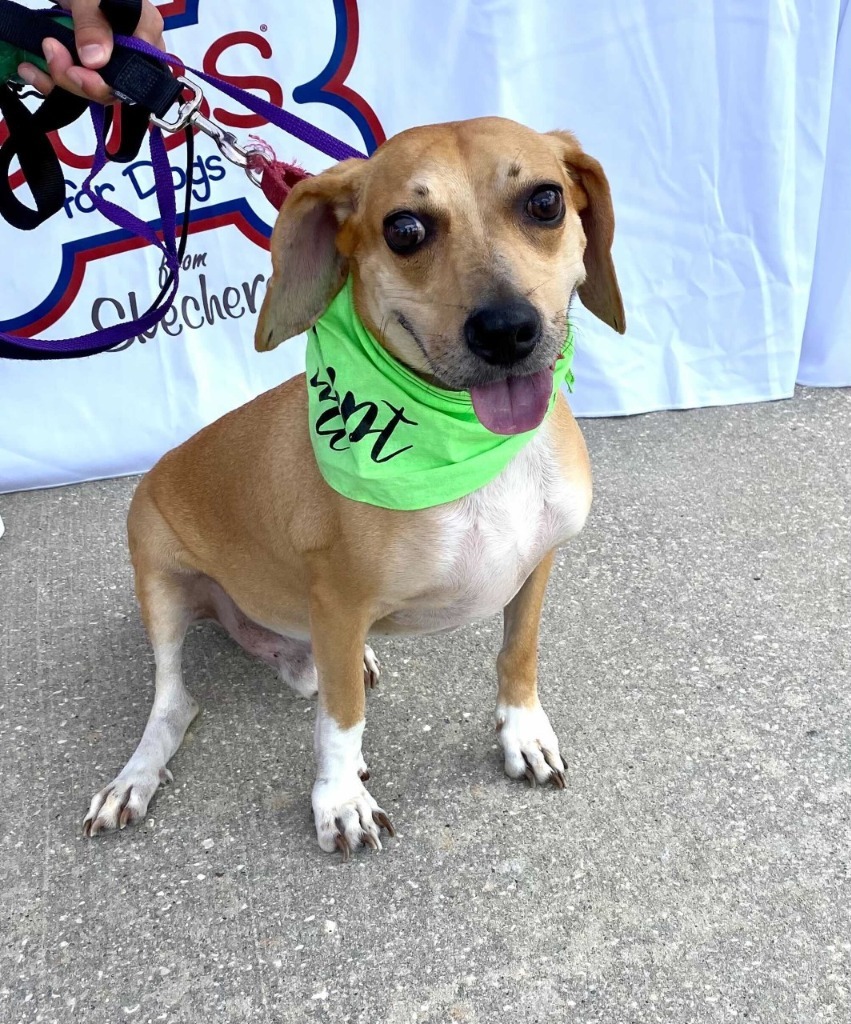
(724, 127)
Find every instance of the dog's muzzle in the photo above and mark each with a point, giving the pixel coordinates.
(503, 333)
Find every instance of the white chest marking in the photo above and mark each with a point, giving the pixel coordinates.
(489, 542)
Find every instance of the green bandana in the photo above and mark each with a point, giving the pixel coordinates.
(386, 437)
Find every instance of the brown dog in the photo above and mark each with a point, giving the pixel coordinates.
(465, 243)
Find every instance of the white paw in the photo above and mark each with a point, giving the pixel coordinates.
(529, 744)
(125, 800)
(347, 816)
(371, 668)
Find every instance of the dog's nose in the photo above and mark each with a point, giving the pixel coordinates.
(504, 332)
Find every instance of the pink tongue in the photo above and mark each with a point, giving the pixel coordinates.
(514, 405)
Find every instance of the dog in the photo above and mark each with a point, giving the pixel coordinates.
(462, 245)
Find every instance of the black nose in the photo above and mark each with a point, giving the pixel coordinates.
(504, 332)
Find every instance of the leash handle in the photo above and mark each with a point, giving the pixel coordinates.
(133, 76)
(22, 32)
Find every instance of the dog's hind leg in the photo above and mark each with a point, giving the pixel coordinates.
(290, 656)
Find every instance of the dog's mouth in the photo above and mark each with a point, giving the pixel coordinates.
(514, 405)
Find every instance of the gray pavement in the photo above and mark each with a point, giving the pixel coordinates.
(694, 661)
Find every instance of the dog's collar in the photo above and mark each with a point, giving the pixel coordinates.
(384, 436)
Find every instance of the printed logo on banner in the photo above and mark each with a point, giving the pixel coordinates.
(201, 304)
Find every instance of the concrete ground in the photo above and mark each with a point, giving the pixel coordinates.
(694, 660)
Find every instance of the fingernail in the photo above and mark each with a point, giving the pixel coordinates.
(93, 53)
(49, 48)
(75, 76)
(27, 73)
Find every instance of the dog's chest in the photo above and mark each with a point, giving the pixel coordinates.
(484, 546)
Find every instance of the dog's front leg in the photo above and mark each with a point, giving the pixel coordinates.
(345, 813)
(528, 742)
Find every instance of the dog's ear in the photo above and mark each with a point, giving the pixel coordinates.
(593, 200)
(308, 268)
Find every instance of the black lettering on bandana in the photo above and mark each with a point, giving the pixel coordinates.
(334, 423)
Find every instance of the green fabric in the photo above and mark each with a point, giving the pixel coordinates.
(382, 435)
(10, 58)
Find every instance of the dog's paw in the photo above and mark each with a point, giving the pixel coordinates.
(530, 745)
(347, 816)
(371, 668)
(124, 801)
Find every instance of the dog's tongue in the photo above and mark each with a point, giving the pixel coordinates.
(514, 405)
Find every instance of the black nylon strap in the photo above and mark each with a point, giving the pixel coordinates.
(40, 166)
(134, 128)
(137, 79)
(123, 16)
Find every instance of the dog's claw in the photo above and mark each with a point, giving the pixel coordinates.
(342, 845)
(369, 840)
(381, 819)
(124, 801)
(371, 669)
(557, 776)
(529, 773)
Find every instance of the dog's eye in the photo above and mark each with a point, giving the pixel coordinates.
(404, 232)
(546, 204)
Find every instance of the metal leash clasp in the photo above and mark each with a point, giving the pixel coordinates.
(189, 114)
(187, 110)
(225, 141)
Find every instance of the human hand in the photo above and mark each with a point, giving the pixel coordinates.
(93, 38)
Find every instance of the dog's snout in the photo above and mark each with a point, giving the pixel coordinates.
(504, 332)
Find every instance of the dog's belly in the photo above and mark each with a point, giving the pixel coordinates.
(484, 546)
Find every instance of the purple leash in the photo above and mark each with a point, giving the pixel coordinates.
(102, 340)
(290, 123)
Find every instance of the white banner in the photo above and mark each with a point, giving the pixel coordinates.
(713, 118)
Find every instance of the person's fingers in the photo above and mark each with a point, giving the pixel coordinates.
(81, 81)
(90, 85)
(93, 40)
(58, 59)
(150, 27)
(36, 78)
(92, 33)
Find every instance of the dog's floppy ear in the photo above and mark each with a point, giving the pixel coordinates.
(307, 267)
(600, 292)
